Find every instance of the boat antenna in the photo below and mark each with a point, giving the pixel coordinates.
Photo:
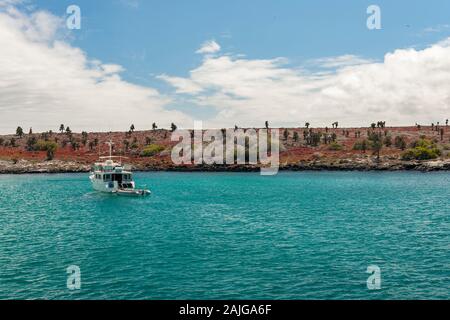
(110, 143)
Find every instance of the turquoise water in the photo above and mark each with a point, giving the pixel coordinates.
(228, 236)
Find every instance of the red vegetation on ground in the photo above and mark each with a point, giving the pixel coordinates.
(291, 151)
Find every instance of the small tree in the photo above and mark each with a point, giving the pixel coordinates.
(75, 145)
(286, 134)
(68, 131)
(267, 125)
(376, 145)
(400, 143)
(132, 128)
(388, 141)
(51, 149)
(307, 125)
(45, 136)
(296, 136)
(31, 143)
(173, 127)
(84, 138)
(154, 126)
(19, 132)
(31, 131)
(61, 128)
(126, 143)
(364, 146)
(333, 137)
(315, 138)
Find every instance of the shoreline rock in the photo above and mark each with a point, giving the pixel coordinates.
(58, 166)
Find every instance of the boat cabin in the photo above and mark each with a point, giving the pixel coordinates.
(110, 172)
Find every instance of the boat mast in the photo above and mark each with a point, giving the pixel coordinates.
(110, 143)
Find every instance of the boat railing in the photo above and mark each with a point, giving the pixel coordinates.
(113, 157)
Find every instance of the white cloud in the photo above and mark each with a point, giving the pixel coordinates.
(45, 81)
(409, 86)
(8, 3)
(437, 29)
(182, 85)
(209, 47)
(340, 61)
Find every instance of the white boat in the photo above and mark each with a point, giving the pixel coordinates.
(109, 175)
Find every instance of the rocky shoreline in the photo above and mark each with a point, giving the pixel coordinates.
(58, 166)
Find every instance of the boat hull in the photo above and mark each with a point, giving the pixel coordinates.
(101, 186)
(114, 188)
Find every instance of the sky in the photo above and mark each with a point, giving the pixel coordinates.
(222, 62)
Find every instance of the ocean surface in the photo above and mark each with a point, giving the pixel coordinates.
(228, 236)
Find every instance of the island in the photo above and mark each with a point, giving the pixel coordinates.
(375, 147)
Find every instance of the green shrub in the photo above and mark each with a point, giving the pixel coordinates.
(335, 147)
(43, 145)
(152, 150)
(48, 146)
(422, 150)
(425, 143)
(420, 153)
(360, 145)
